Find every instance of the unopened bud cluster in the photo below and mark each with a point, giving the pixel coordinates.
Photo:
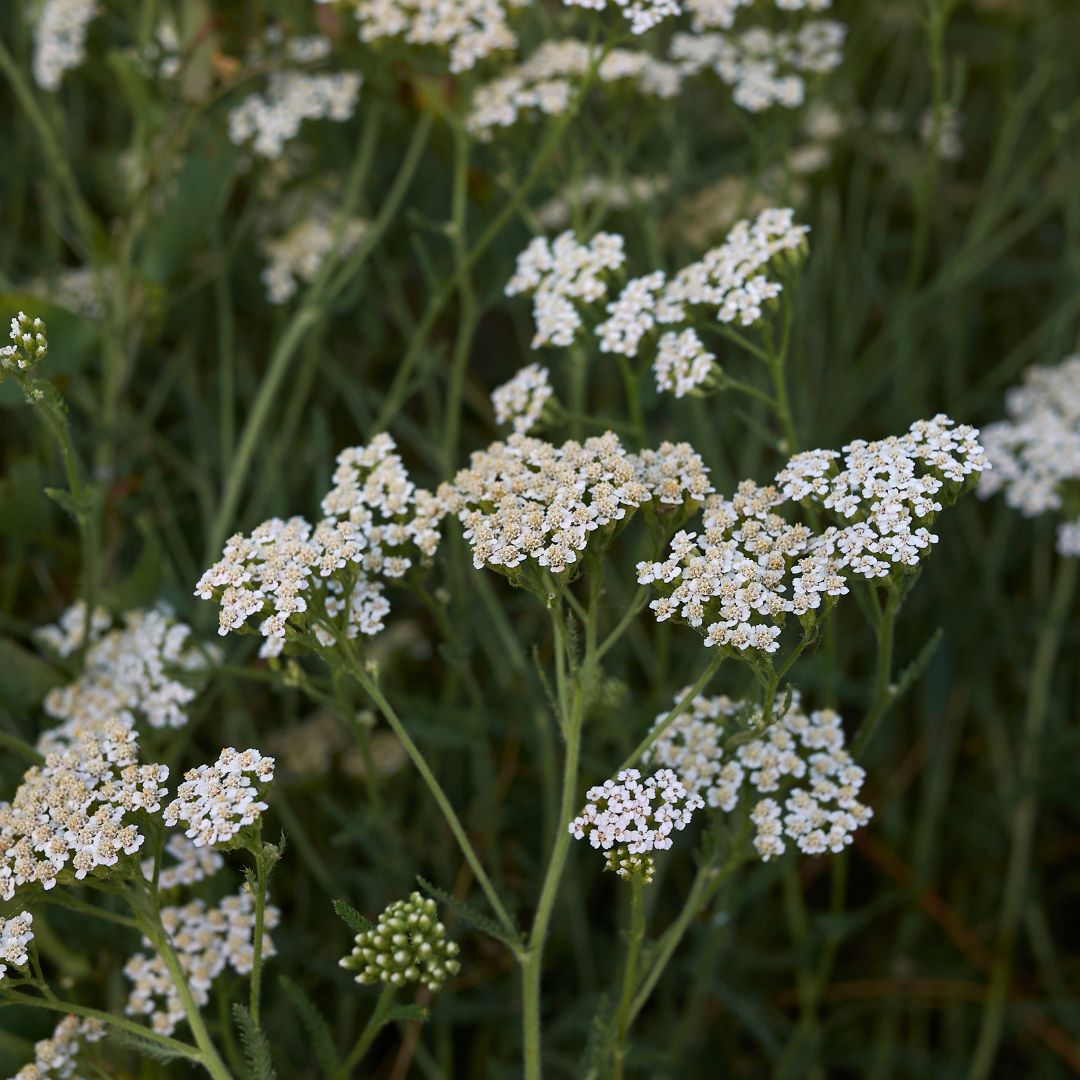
(15, 935)
(28, 344)
(407, 945)
(640, 869)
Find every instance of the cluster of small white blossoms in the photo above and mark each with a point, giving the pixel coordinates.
(191, 863)
(720, 14)
(763, 68)
(637, 815)
(561, 272)
(216, 801)
(750, 567)
(128, 674)
(74, 812)
(820, 816)
(521, 401)
(642, 15)
(470, 31)
(730, 280)
(271, 118)
(612, 194)
(408, 944)
(206, 941)
(378, 526)
(15, 935)
(526, 499)
(60, 39)
(546, 83)
(1036, 451)
(69, 632)
(28, 344)
(296, 256)
(56, 1058)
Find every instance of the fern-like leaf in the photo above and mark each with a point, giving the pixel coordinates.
(260, 1065)
(314, 1024)
(352, 918)
(472, 917)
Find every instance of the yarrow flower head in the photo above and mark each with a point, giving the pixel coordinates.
(70, 631)
(60, 39)
(15, 935)
(642, 15)
(326, 581)
(217, 801)
(628, 819)
(57, 1056)
(546, 84)
(751, 566)
(529, 506)
(407, 944)
(1036, 450)
(189, 863)
(207, 941)
(295, 257)
(521, 402)
(79, 813)
(819, 815)
(28, 344)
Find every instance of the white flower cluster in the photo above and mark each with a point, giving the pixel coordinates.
(547, 82)
(216, 801)
(521, 401)
(557, 273)
(15, 935)
(55, 1058)
(819, 816)
(28, 344)
(637, 815)
(720, 14)
(408, 944)
(526, 501)
(191, 863)
(69, 632)
(207, 940)
(60, 39)
(272, 118)
(75, 812)
(296, 256)
(612, 194)
(750, 567)
(642, 15)
(763, 68)
(128, 674)
(1036, 451)
(682, 363)
(378, 525)
(470, 30)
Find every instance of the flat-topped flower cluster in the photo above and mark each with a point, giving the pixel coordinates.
(1036, 451)
(525, 501)
(327, 580)
(207, 941)
(15, 935)
(819, 815)
(57, 1056)
(296, 256)
(521, 401)
(750, 566)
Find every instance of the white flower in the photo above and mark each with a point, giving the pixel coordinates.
(60, 39)
(28, 344)
(296, 256)
(191, 863)
(56, 1057)
(642, 15)
(15, 935)
(682, 362)
(216, 801)
(520, 402)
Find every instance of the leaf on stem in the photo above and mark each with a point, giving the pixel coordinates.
(260, 1064)
(314, 1024)
(473, 918)
(144, 1047)
(352, 918)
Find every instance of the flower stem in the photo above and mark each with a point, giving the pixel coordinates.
(257, 940)
(376, 1022)
(633, 952)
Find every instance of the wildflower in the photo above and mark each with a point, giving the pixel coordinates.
(682, 362)
(297, 255)
(56, 1057)
(720, 14)
(642, 15)
(635, 817)
(216, 801)
(28, 344)
(820, 814)
(70, 630)
(1035, 452)
(15, 935)
(79, 812)
(546, 83)
(559, 273)
(128, 673)
(636, 868)
(408, 944)
(521, 401)
(750, 566)
(207, 941)
(60, 39)
(191, 863)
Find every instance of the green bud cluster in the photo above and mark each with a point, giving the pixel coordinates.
(639, 868)
(407, 945)
(28, 344)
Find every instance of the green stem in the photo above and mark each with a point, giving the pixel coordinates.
(633, 952)
(883, 691)
(376, 1022)
(1024, 817)
(257, 940)
(23, 749)
(356, 669)
(633, 397)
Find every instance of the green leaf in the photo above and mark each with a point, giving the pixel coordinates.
(351, 917)
(144, 1047)
(25, 679)
(472, 917)
(314, 1024)
(260, 1065)
(404, 1014)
